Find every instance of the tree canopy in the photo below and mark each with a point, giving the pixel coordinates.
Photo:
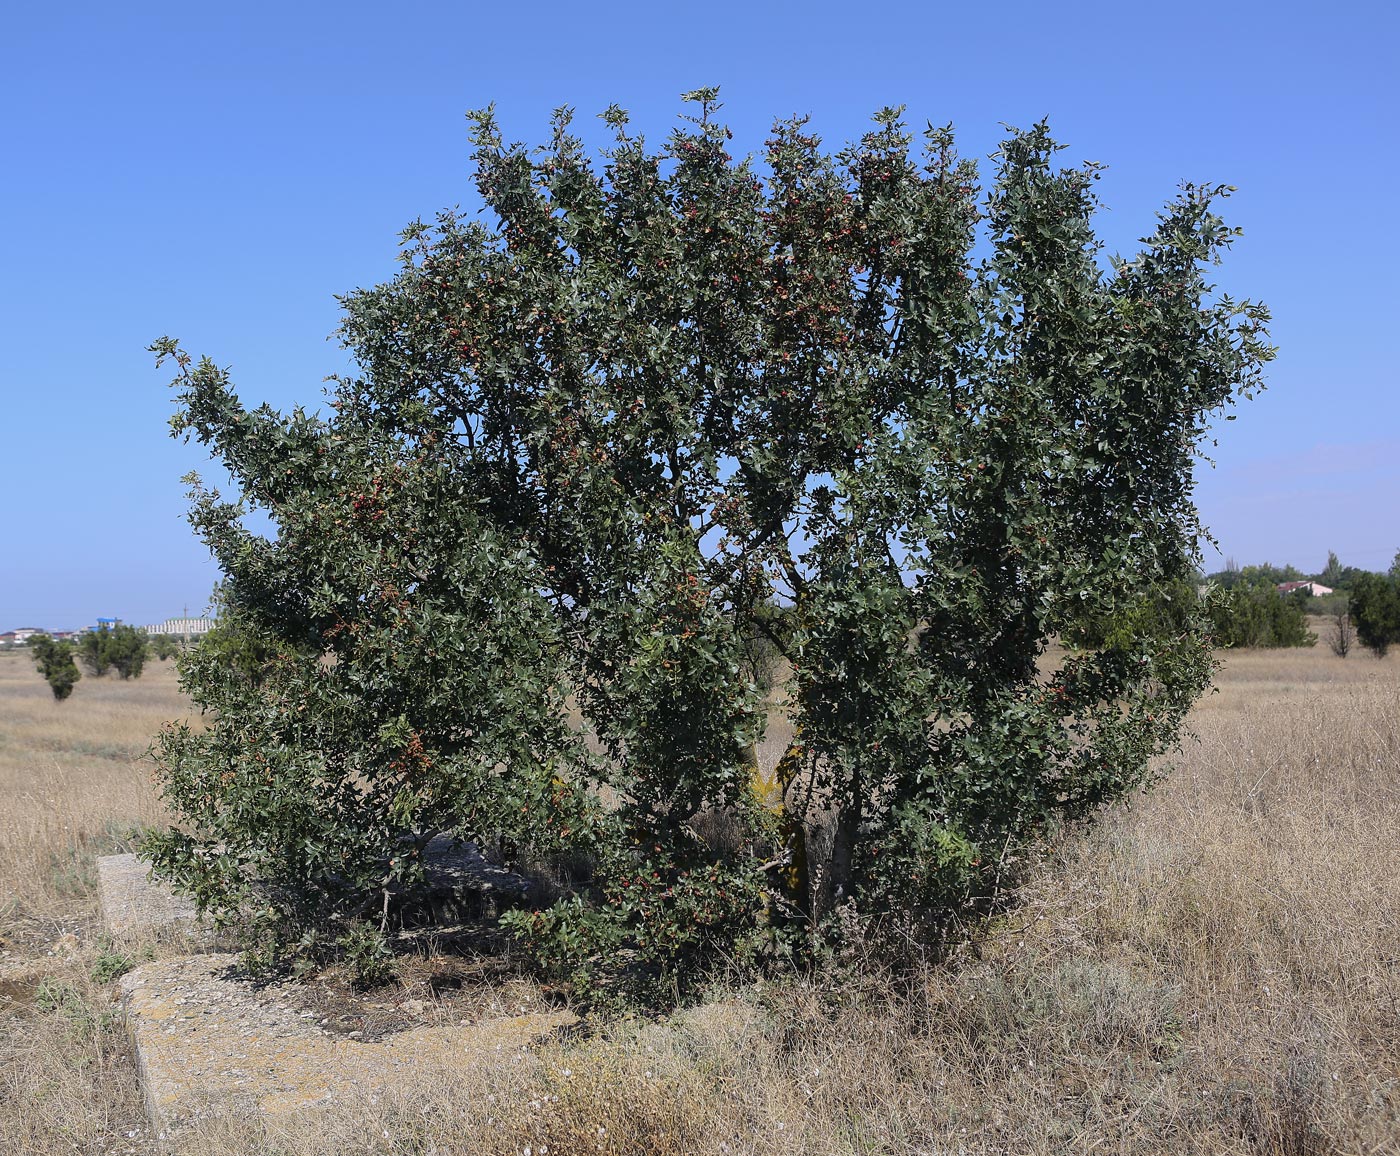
(54, 660)
(1256, 614)
(122, 648)
(1375, 609)
(647, 409)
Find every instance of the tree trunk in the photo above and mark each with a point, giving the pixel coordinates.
(830, 875)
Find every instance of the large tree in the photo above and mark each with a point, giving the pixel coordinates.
(646, 410)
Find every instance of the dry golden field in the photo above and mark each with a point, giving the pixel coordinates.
(1215, 969)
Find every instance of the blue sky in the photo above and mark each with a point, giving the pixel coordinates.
(220, 172)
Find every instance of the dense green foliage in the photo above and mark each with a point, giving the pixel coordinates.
(92, 652)
(121, 648)
(1340, 578)
(127, 650)
(599, 434)
(1262, 575)
(1168, 608)
(55, 662)
(1375, 611)
(1256, 614)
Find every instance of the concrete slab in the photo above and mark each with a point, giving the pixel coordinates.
(134, 905)
(208, 1039)
(204, 1037)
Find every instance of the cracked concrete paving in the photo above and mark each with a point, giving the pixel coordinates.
(208, 1039)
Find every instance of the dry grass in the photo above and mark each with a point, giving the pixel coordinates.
(1215, 969)
(72, 775)
(73, 786)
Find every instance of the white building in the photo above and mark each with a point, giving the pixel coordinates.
(185, 627)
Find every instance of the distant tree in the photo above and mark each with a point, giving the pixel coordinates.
(121, 648)
(237, 653)
(164, 646)
(126, 650)
(1167, 609)
(1332, 573)
(1264, 574)
(93, 653)
(1375, 611)
(1342, 634)
(1289, 623)
(1226, 579)
(55, 662)
(1267, 574)
(1253, 614)
(1346, 580)
(763, 633)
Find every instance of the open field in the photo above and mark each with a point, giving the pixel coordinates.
(71, 776)
(1215, 969)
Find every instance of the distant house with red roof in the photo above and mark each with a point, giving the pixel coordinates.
(1316, 589)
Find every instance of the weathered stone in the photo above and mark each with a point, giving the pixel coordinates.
(206, 1038)
(134, 905)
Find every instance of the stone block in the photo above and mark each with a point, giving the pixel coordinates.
(132, 904)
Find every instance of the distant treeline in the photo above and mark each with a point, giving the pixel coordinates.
(1248, 609)
(120, 648)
